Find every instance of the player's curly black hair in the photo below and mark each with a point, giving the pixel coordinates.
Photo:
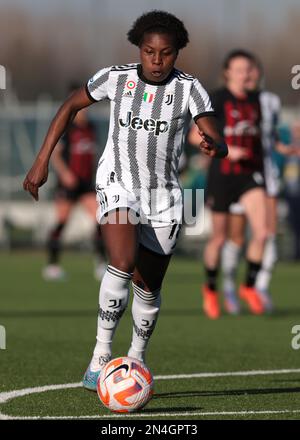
(161, 22)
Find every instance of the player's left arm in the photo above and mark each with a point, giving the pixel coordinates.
(211, 142)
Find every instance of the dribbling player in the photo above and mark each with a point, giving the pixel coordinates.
(149, 103)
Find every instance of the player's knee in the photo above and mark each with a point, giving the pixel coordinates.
(218, 241)
(238, 240)
(125, 264)
(260, 235)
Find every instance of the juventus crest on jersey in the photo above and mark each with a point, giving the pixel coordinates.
(146, 124)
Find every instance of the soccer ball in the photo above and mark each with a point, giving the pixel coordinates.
(125, 385)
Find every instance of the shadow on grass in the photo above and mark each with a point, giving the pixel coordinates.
(180, 312)
(83, 313)
(242, 392)
(167, 409)
(288, 311)
(47, 313)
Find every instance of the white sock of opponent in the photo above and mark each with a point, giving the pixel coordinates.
(270, 257)
(145, 310)
(229, 262)
(113, 299)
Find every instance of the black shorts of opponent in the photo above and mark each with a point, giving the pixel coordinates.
(223, 190)
(75, 193)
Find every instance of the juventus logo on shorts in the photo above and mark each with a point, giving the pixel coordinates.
(116, 198)
(102, 199)
(176, 227)
(169, 99)
(112, 177)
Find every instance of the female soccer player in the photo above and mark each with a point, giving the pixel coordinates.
(140, 200)
(237, 178)
(270, 110)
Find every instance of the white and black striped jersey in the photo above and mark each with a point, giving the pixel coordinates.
(146, 124)
(270, 110)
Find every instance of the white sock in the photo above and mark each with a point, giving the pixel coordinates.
(229, 262)
(145, 310)
(270, 257)
(113, 299)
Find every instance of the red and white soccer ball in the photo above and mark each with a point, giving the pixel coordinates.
(125, 385)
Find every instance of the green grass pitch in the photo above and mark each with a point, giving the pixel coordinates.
(51, 327)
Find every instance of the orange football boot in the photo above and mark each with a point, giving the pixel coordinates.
(252, 298)
(211, 305)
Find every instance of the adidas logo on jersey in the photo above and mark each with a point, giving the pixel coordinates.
(128, 94)
(136, 123)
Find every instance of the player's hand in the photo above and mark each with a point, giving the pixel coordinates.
(236, 153)
(36, 177)
(207, 144)
(68, 179)
(293, 150)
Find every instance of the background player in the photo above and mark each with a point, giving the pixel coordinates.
(238, 177)
(270, 109)
(149, 105)
(74, 161)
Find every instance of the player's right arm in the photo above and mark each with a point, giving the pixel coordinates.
(287, 150)
(38, 173)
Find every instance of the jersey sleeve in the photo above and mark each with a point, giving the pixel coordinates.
(97, 85)
(217, 100)
(277, 109)
(276, 116)
(199, 102)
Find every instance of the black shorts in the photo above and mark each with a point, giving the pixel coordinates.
(223, 190)
(75, 193)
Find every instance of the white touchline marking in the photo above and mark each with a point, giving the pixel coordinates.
(230, 373)
(152, 415)
(9, 395)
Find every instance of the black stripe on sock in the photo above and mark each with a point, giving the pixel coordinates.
(145, 296)
(211, 278)
(118, 273)
(252, 272)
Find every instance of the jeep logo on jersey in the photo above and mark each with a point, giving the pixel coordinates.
(136, 123)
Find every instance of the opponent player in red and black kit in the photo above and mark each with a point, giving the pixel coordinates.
(74, 162)
(238, 177)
